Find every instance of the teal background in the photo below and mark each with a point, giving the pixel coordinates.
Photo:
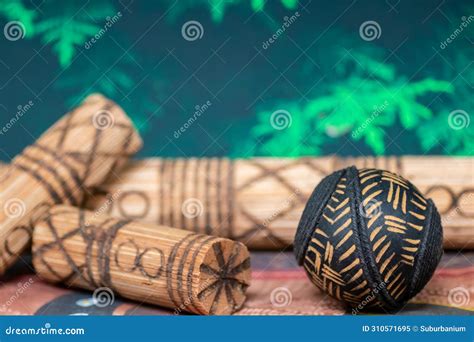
(319, 70)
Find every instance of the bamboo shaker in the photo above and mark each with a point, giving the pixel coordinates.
(154, 264)
(78, 152)
(259, 201)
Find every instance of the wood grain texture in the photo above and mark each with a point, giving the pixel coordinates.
(78, 152)
(153, 264)
(259, 201)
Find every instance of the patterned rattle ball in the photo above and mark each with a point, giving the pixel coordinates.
(369, 238)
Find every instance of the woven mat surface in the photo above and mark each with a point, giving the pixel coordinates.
(279, 287)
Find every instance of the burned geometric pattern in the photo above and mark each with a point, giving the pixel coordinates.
(375, 218)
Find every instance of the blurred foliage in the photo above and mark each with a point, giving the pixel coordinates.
(363, 98)
(110, 71)
(15, 10)
(453, 141)
(359, 100)
(65, 25)
(71, 24)
(68, 25)
(100, 72)
(460, 139)
(218, 8)
(458, 67)
(371, 97)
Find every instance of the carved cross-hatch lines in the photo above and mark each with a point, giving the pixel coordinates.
(224, 187)
(98, 241)
(100, 255)
(62, 170)
(275, 173)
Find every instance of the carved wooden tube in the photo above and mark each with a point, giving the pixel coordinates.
(76, 153)
(259, 201)
(154, 264)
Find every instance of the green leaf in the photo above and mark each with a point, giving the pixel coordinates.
(71, 27)
(360, 104)
(258, 5)
(218, 8)
(14, 10)
(375, 139)
(408, 118)
(290, 4)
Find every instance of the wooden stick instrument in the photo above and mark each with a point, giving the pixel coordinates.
(78, 152)
(259, 201)
(154, 264)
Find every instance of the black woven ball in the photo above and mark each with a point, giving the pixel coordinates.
(369, 238)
